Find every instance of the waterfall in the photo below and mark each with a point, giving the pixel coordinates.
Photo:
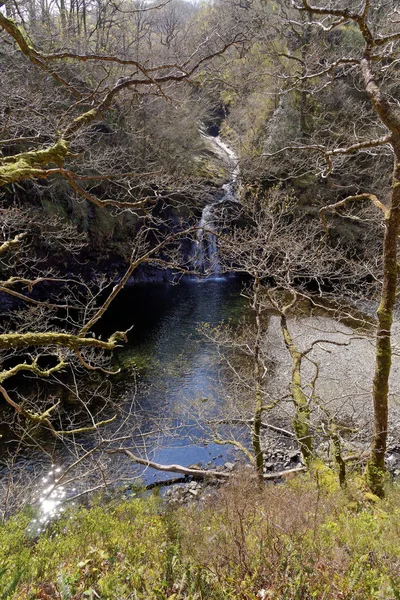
(206, 252)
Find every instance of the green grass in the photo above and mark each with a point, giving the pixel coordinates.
(299, 540)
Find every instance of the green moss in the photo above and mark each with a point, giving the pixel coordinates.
(377, 479)
(87, 117)
(209, 169)
(326, 478)
(371, 497)
(28, 165)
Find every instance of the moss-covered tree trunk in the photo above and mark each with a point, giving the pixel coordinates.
(376, 465)
(301, 421)
(258, 376)
(378, 50)
(390, 116)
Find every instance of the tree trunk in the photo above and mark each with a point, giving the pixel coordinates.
(301, 421)
(304, 112)
(258, 376)
(258, 453)
(376, 470)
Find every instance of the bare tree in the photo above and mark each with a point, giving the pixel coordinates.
(292, 271)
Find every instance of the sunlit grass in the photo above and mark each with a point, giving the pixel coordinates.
(299, 540)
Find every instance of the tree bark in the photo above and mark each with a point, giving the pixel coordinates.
(258, 376)
(390, 116)
(301, 421)
(376, 470)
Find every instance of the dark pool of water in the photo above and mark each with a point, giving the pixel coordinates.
(176, 365)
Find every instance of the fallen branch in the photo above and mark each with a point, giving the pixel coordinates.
(167, 482)
(264, 425)
(196, 473)
(287, 473)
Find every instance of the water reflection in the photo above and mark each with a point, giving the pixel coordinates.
(48, 499)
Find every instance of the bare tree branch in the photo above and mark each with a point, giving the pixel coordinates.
(196, 473)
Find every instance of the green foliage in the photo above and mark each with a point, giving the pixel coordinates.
(303, 539)
(299, 540)
(9, 588)
(112, 550)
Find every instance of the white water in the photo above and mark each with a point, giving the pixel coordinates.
(206, 252)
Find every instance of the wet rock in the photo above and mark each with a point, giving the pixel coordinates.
(294, 454)
(269, 466)
(196, 466)
(229, 466)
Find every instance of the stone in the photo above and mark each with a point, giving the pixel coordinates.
(194, 485)
(229, 466)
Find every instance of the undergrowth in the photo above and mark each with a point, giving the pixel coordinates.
(303, 539)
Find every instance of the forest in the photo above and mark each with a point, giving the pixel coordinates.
(199, 332)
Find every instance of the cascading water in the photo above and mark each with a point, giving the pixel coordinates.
(206, 252)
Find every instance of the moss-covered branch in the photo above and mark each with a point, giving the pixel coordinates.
(236, 444)
(43, 418)
(11, 341)
(34, 56)
(86, 429)
(32, 368)
(10, 244)
(28, 165)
